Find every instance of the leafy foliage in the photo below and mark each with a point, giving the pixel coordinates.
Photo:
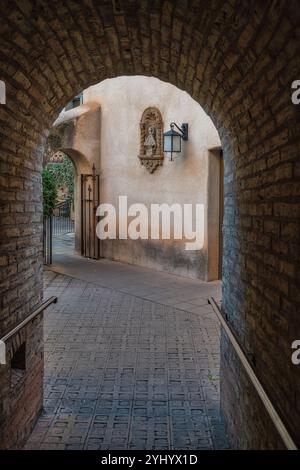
(49, 192)
(63, 174)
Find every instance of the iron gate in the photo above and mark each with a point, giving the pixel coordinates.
(62, 222)
(47, 240)
(90, 199)
(59, 224)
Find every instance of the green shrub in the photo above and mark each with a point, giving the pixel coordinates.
(63, 174)
(49, 192)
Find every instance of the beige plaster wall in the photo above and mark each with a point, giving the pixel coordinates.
(79, 131)
(122, 101)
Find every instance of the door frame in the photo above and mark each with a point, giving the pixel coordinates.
(215, 213)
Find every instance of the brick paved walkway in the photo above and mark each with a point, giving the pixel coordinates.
(64, 244)
(124, 372)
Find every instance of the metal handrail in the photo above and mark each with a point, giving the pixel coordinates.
(282, 430)
(20, 325)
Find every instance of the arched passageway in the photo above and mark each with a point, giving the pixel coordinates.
(237, 59)
(107, 128)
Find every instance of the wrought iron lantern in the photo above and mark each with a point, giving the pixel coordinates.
(172, 138)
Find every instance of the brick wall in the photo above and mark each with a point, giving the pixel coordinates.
(237, 59)
(21, 391)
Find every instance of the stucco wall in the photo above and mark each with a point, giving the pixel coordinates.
(77, 134)
(122, 102)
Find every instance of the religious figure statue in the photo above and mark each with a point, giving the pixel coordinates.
(150, 142)
(151, 131)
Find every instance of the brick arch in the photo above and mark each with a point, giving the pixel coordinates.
(237, 59)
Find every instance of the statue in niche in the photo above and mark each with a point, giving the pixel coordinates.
(151, 129)
(150, 142)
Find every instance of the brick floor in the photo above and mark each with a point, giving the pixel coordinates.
(180, 292)
(64, 243)
(125, 372)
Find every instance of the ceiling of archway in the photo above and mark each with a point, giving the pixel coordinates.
(51, 50)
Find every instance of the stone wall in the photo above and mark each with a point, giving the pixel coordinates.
(237, 60)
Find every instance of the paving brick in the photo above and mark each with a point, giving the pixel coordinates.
(132, 401)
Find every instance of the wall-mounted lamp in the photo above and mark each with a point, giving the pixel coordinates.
(172, 139)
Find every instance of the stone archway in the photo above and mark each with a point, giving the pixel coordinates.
(237, 60)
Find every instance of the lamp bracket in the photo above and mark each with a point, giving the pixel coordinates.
(184, 129)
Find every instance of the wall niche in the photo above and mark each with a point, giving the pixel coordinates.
(151, 130)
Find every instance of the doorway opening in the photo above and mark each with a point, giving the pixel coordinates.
(119, 160)
(59, 196)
